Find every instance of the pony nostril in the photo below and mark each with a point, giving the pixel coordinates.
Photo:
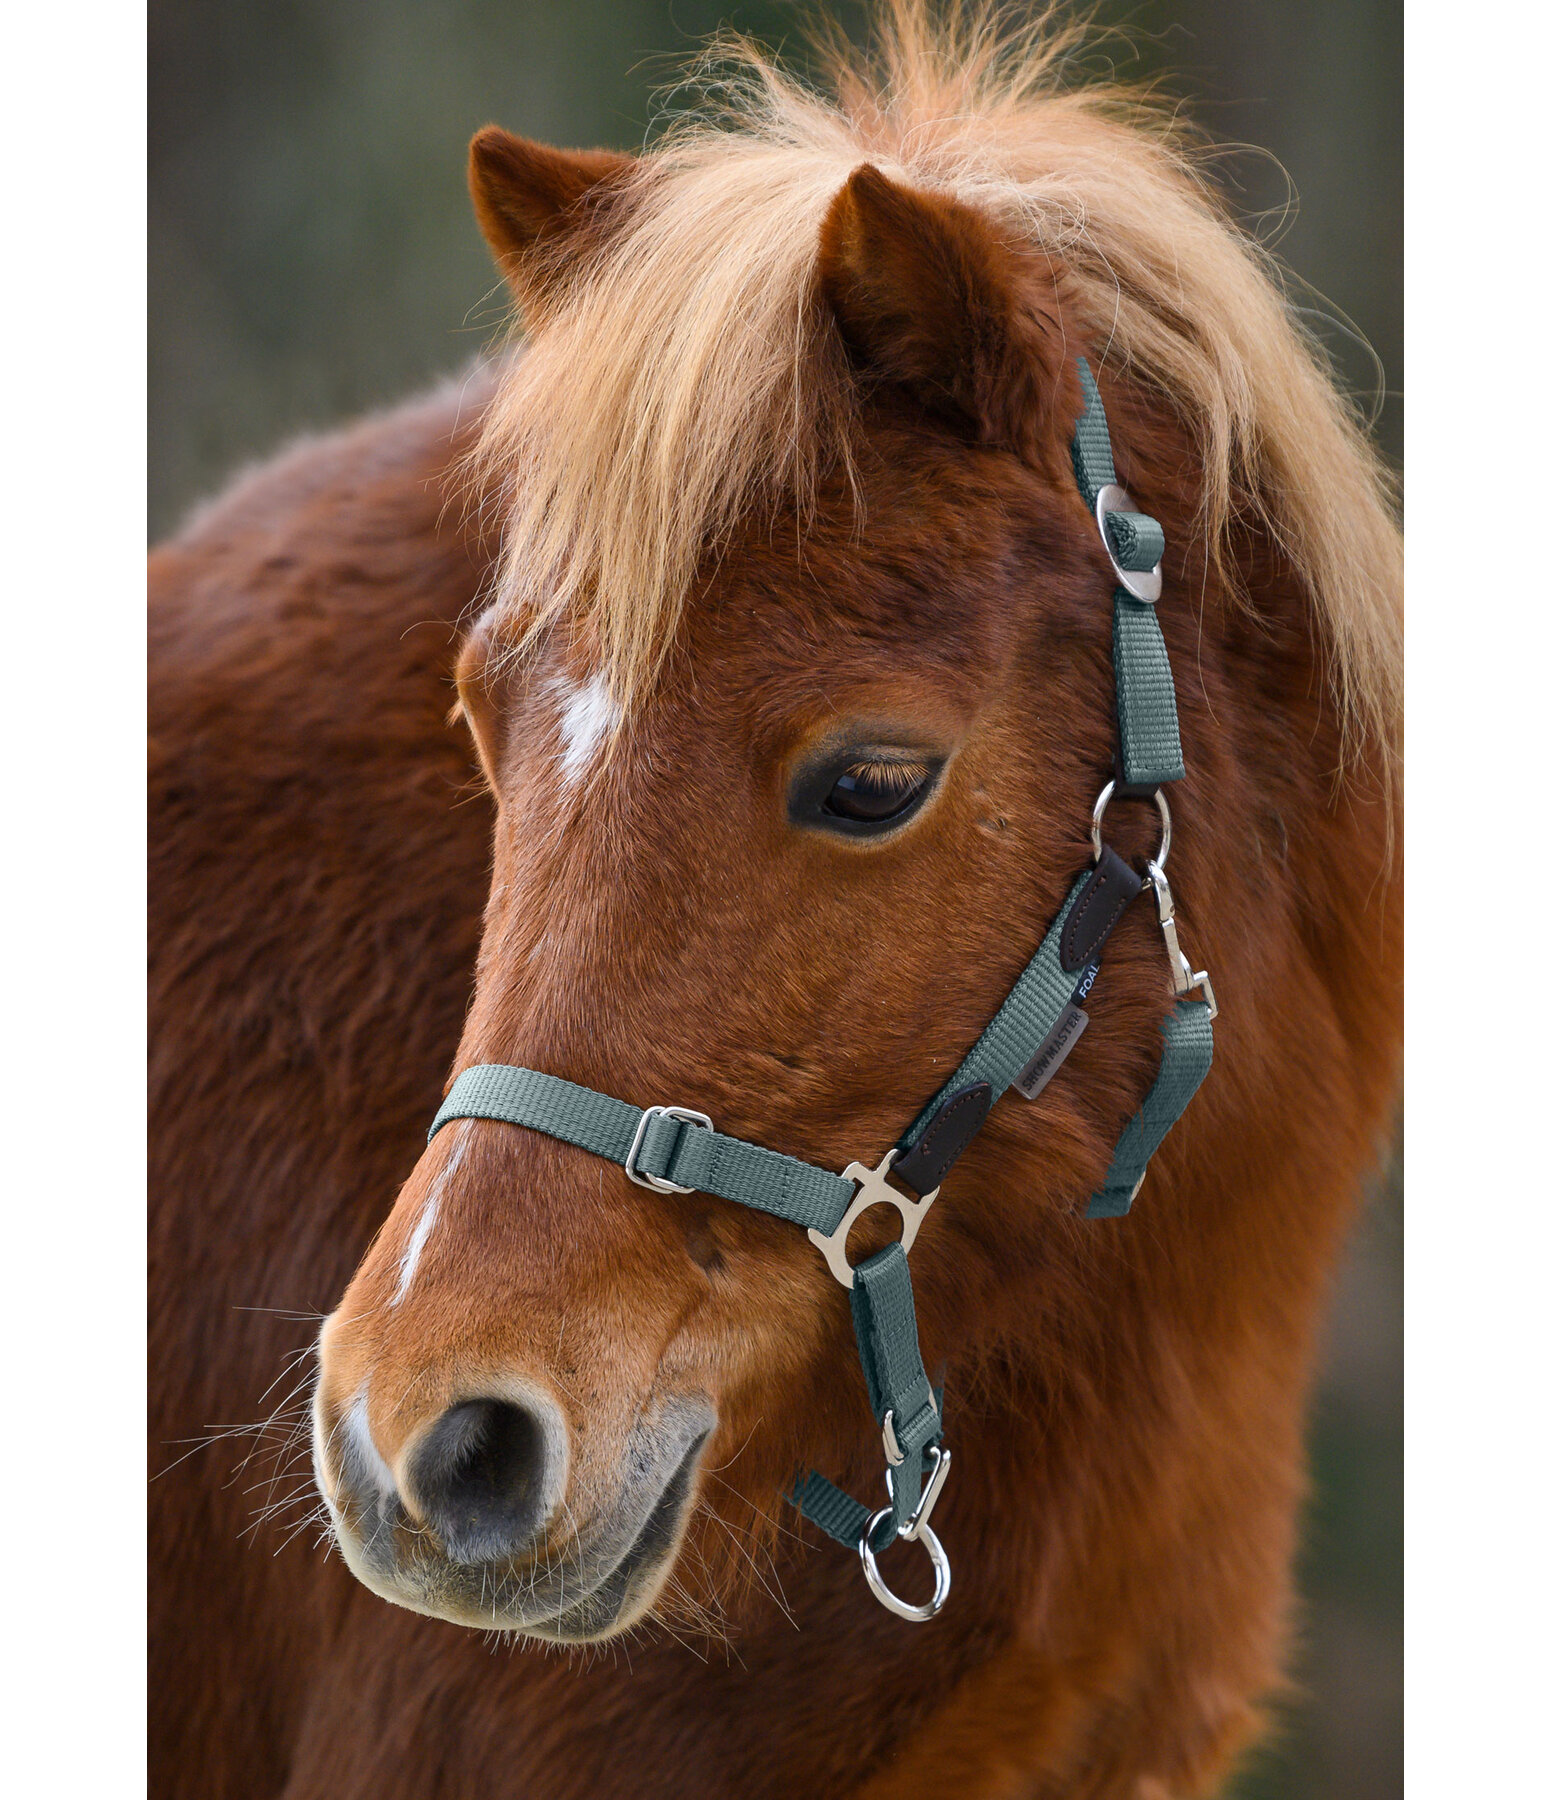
(478, 1477)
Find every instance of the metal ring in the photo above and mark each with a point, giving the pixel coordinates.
(1159, 800)
(917, 1615)
(1140, 584)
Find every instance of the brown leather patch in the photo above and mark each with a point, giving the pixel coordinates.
(945, 1139)
(1108, 890)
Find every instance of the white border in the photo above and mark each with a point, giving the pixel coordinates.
(72, 449)
(1477, 1268)
(72, 445)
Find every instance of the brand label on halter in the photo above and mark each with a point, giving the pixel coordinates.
(1051, 1053)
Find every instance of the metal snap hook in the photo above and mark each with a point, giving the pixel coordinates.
(942, 1462)
(917, 1615)
(1186, 980)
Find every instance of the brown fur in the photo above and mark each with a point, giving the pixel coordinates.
(692, 378)
(931, 302)
(526, 196)
(1124, 1398)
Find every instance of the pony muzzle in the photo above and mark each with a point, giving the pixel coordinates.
(475, 1515)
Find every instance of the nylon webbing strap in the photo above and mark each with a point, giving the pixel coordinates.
(581, 1116)
(832, 1510)
(671, 1149)
(1149, 749)
(1025, 1019)
(1092, 457)
(883, 1308)
(1135, 540)
(1186, 1057)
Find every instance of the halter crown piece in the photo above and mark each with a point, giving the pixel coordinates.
(674, 1150)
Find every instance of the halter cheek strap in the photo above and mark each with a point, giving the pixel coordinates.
(675, 1150)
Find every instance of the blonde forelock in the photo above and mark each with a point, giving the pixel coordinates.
(691, 378)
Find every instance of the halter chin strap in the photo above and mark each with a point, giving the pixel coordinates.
(674, 1150)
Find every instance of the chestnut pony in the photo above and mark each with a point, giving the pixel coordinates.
(781, 634)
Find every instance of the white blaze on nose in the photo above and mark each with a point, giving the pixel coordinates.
(428, 1213)
(362, 1447)
(587, 715)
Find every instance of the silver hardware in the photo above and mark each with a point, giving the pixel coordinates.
(929, 1495)
(872, 1189)
(939, 1566)
(1160, 799)
(656, 1182)
(1185, 979)
(892, 1454)
(1143, 584)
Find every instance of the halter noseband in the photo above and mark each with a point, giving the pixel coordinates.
(674, 1150)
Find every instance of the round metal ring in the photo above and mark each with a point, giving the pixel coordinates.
(939, 1567)
(1159, 800)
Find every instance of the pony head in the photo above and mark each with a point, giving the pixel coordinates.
(794, 692)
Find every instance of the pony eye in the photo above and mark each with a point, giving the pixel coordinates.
(863, 791)
(877, 793)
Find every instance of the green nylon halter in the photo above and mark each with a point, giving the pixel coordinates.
(672, 1149)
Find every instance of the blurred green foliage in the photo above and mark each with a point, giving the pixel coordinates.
(313, 254)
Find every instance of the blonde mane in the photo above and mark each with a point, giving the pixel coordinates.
(692, 379)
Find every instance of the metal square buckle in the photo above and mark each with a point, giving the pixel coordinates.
(655, 1182)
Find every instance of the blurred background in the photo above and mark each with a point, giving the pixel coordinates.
(313, 253)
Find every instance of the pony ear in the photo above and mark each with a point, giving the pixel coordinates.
(928, 297)
(538, 208)
(476, 702)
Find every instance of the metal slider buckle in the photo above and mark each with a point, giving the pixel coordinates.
(656, 1182)
(1141, 584)
(1186, 980)
(892, 1454)
(872, 1189)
